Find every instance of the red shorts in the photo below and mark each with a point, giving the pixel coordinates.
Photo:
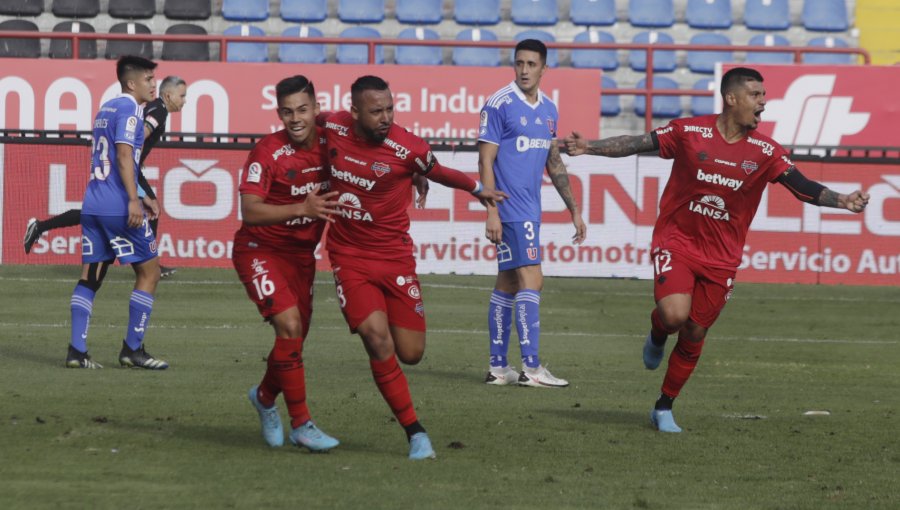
(710, 288)
(367, 285)
(277, 281)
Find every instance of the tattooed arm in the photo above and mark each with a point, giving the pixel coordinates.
(559, 176)
(614, 147)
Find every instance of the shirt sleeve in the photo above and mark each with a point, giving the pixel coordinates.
(490, 128)
(423, 158)
(256, 178)
(155, 118)
(779, 163)
(126, 129)
(669, 139)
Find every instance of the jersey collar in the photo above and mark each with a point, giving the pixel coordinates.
(129, 96)
(521, 95)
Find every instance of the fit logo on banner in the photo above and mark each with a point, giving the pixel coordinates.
(810, 115)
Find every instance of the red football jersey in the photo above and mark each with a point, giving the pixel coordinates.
(375, 184)
(283, 173)
(714, 189)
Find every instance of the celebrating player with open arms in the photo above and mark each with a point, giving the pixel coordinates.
(721, 168)
(372, 163)
(284, 214)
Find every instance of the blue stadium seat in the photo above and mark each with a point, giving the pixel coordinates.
(301, 53)
(477, 12)
(534, 12)
(62, 48)
(705, 61)
(118, 48)
(245, 10)
(22, 8)
(708, 13)
(828, 58)
(471, 56)
(304, 11)
(419, 55)
(769, 57)
(702, 105)
(359, 53)
(75, 8)
(361, 11)
(191, 51)
(663, 61)
(188, 9)
(593, 12)
(132, 9)
(651, 13)
(247, 51)
(663, 106)
(607, 60)
(540, 35)
(610, 105)
(825, 15)
(767, 14)
(424, 12)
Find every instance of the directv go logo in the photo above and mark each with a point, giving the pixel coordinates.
(809, 115)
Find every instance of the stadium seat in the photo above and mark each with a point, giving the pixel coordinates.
(607, 60)
(132, 9)
(593, 12)
(477, 12)
(767, 14)
(663, 106)
(246, 51)
(22, 8)
(651, 13)
(117, 48)
(361, 11)
(245, 10)
(75, 8)
(178, 50)
(19, 48)
(62, 48)
(708, 13)
(610, 105)
(304, 11)
(302, 53)
(663, 61)
(359, 53)
(705, 61)
(534, 12)
(828, 58)
(540, 35)
(702, 105)
(471, 56)
(419, 55)
(825, 15)
(188, 9)
(754, 57)
(424, 12)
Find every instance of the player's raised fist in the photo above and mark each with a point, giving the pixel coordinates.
(575, 144)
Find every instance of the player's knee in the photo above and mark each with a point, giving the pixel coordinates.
(410, 356)
(673, 318)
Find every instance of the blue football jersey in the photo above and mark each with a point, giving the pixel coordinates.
(119, 120)
(523, 133)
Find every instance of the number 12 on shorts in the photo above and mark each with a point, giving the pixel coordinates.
(662, 262)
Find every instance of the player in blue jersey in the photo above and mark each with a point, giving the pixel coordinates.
(516, 141)
(113, 223)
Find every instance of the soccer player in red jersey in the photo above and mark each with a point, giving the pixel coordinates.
(721, 168)
(372, 163)
(284, 208)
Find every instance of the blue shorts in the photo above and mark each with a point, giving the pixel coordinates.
(107, 237)
(521, 245)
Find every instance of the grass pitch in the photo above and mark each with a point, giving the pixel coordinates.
(188, 438)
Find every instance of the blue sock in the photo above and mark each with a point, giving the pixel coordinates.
(528, 325)
(139, 309)
(499, 326)
(81, 305)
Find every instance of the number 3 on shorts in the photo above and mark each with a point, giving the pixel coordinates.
(340, 295)
(662, 262)
(264, 286)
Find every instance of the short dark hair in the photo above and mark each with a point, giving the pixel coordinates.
(294, 85)
(738, 76)
(532, 45)
(129, 63)
(364, 83)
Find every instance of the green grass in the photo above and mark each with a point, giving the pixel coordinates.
(188, 438)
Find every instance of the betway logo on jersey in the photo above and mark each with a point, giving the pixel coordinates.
(287, 150)
(351, 208)
(705, 132)
(356, 180)
(710, 206)
(810, 115)
(400, 150)
(308, 188)
(721, 180)
(341, 130)
(766, 147)
(523, 143)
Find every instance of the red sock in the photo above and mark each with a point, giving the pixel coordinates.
(393, 387)
(268, 389)
(681, 363)
(286, 367)
(658, 330)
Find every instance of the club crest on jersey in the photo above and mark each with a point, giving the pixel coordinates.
(749, 166)
(413, 292)
(523, 120)
(551, 125)
(381, 168)
(420, 309)
(254, 173)
(532, 253)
